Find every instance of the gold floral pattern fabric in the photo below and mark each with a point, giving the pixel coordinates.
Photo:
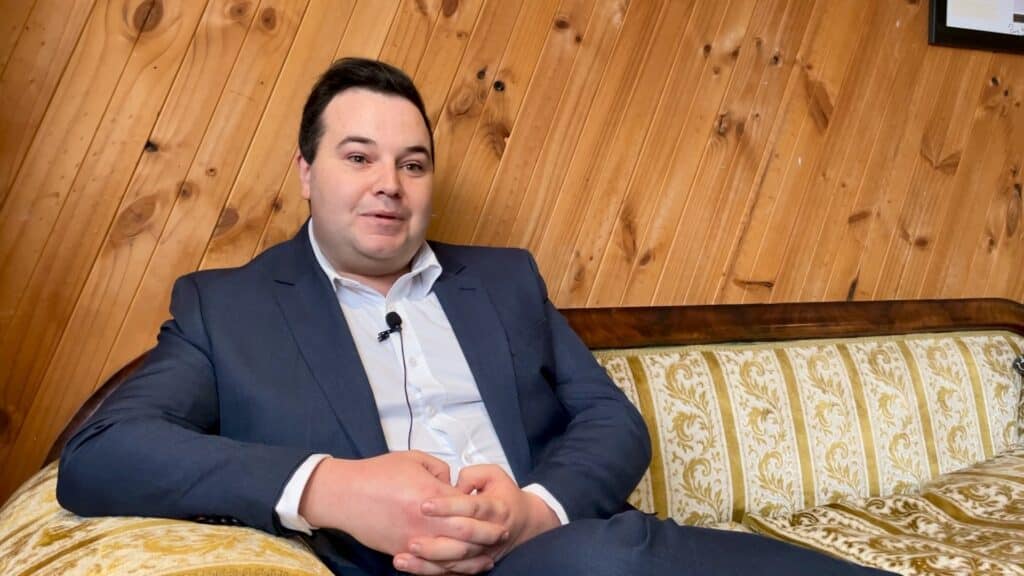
(40, 538)
(772, 429)
(966, 522)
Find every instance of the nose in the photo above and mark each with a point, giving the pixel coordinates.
(389, 181)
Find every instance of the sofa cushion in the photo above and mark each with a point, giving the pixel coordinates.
(967, 522)
(775, 428)
(38, 537)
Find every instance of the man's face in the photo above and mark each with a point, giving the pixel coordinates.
(369, 188)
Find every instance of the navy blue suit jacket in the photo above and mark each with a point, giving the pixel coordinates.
(257, 370)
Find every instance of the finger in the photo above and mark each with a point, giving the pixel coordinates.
(441, 549)
(479, 477)
(438, 468)
(479, 507)
(414, 565)
(471, 530)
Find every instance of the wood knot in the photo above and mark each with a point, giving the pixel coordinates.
(722, 124)
(239, 10)
(481, 73)
(268, 18)
(921, 241)
(561, 23)
(776, 58)
(228, 218)
(497, 137)
(499, 86)
(745, 284)
(449, 7)
(148, 15)
(150, 146)
(579, 40)
(134, 217)
(645, 258)
(735, 53)
(994, 81)
(211, 171)
(857, 216)
(185, 191)
(706, 50)
(276, 205)
(461, 103)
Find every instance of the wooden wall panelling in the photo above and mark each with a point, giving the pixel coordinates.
(952, 250)
(700, 211)
(364, 36)
(60, 145)
(545, 168)
(77, 364)
(444, 52)
(645, 192)
(505, 189)
(1006, 147)
(13, 15)
(696, 141)
(812, 245)
(765, 88)
(466, 98)
(591, 154)
(638, 131)
(52, 291)
(808, 107)
(843, 244)
(31, 75)
(254, 194)
(211, 174)
(1009, 217)
(932, 189)
(917, 79)
(487, 145)
(410, 32)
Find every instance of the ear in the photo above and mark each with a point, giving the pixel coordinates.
(305, 169)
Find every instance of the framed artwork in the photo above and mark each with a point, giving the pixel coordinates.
(983, 24)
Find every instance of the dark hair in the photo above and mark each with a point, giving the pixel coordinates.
(345, 74)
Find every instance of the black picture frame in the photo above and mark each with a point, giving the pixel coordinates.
(942, 35)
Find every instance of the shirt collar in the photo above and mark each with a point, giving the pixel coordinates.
(414, 284)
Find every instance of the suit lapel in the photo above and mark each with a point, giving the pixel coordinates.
(481, 336)
(311, 308)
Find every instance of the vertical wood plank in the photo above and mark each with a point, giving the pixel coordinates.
(213, 170)
(30, 78)
(603, 118)
(411, 30)
(77, 363)
(253, 197)
(560, 139)
(60, 145)
(489, 141)
(508, 186)
(54, 286)
(466, 98)
(13, 16)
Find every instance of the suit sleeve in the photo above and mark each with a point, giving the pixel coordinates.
(152, 448)
(593, 466)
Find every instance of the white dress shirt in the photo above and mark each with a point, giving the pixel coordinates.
(449, 419)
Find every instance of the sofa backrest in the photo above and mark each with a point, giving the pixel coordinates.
(773, 428)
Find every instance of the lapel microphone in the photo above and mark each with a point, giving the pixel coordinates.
(394, 325)
(394, 322)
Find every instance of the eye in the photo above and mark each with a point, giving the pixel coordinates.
(357, 158)
(414, 167)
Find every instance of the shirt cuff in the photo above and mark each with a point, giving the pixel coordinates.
(287, 507)
(552, 502)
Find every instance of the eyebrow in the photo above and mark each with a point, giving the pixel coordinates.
(415, 149)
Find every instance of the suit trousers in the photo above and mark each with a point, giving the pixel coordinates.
(636, 543)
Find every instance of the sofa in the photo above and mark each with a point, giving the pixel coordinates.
(887, 433)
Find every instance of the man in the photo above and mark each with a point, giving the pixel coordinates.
(408, 405)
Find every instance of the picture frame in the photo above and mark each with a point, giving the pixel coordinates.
(996, 25)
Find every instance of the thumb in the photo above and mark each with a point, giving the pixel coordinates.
(436, 467)
(474, 478)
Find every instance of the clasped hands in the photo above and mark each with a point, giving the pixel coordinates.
(403, 504)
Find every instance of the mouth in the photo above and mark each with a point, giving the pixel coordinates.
(384, 215)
